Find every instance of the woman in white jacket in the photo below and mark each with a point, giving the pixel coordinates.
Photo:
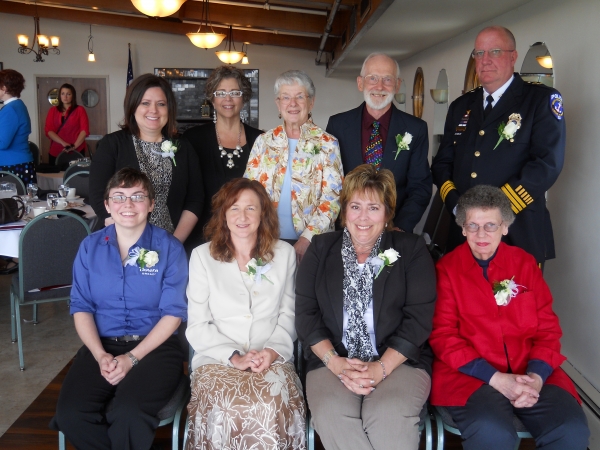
(245, 391)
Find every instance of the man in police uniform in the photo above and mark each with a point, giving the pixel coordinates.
(369, 134)
(506, 133)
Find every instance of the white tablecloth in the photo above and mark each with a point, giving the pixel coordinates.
(50, 181)
(9, 239)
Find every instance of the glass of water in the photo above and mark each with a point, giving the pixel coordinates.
(32, 190)
(52, 201)
(63, 190)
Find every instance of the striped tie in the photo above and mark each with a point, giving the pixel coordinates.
(374, 152)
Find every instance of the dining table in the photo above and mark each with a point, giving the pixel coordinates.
(10, 233)
(50, 181)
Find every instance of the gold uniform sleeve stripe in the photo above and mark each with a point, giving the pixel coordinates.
(516, 203)
(446, 187)
(524, 194)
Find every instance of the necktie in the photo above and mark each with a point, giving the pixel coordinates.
(488, 107)
(374, 152)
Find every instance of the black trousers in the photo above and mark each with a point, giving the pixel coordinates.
(130, 422)
(556, 421)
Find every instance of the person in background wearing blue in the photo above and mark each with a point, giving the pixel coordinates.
(128, 299)
(15, 128)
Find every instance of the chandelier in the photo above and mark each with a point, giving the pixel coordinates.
(205, 40)
(230, 56)
(44, 45)
(158, 8)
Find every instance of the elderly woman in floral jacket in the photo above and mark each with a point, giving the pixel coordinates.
(299, 165)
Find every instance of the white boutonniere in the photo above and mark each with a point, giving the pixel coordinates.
(384, 259)
(168, 150)
(505, 291)
(257, 269)
(142, 257)
(508, 130)
(403, 142)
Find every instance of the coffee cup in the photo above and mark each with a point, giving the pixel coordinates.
(61, 203)
(37, 210)
(71, 193)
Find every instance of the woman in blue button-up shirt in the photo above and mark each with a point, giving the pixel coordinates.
(128, 299)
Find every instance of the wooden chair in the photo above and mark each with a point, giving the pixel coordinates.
(443, 421)
(47, 249)
(7, 177)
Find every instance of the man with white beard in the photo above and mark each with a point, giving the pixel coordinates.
(378, 133)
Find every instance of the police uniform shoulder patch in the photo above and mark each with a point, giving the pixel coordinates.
(556, 106)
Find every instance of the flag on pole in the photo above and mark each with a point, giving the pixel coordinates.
(129, 68)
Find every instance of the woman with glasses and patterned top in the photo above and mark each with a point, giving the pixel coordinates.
(299, 165)
(222, 146)
(496, 338)
(148, 142)
(364, 303)
(127, 301)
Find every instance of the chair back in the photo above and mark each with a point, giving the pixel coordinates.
(35, 151)
(64, 158)
(74, 168)
(7, 177)
(47, 249)
(80, 180)
(437, 226)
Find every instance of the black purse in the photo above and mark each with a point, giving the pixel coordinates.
(11, 209)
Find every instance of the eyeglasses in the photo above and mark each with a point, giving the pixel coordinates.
(374, 79)
(493, 53)
(232, 94)
(123, 198)
(474, 228)
(300, 98)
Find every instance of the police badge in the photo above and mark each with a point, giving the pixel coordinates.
(556, 106)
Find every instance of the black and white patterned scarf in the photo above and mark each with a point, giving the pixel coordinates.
(358, 292)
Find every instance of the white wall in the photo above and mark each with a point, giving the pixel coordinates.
(150, 50)
(569, 28)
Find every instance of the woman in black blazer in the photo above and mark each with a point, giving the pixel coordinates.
(148, 142)
(222, 147)
(364, 307)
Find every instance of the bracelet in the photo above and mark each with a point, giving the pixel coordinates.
(327, 356)
(383, 367)
(134, 360)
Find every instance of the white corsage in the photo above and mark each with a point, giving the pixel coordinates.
(142, 257)
(508, 130)
(403, 142)
(383, 259)
(168, 150)
(505, 291)
(257, 269)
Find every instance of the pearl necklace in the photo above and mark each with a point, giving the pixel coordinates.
(236, 152)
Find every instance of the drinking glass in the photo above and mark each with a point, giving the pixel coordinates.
(63, 190)
(52, 201)
(32, 190)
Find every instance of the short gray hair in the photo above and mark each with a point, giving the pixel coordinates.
(373, 55)
(295, 76)
(484, 197)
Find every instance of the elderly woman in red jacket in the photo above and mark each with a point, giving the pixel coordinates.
(496, 338)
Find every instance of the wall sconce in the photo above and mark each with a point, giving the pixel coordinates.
(400, 98)
(439, 96)
(44, 44)
(545, 60)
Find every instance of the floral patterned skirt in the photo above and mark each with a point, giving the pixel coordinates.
(231, 409)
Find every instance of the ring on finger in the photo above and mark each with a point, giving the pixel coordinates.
(360, 386)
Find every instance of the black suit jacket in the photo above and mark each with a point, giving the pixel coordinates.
(116, 150)
(410, 169)
(524, 169)
(403, 298)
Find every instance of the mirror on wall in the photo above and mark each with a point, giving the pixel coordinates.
(89, 98)
(538, 66)
(400, 97)
(417, 97)
(53, 97)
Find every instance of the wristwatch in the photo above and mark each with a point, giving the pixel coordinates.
(134, 360)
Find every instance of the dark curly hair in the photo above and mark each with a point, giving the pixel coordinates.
(217, 232)
(12, 81)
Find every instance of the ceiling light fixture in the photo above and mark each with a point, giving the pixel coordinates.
(230, 56)
(158, 8)
(44, 45)
(91, 57)
(205, 40)
(245, 58)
